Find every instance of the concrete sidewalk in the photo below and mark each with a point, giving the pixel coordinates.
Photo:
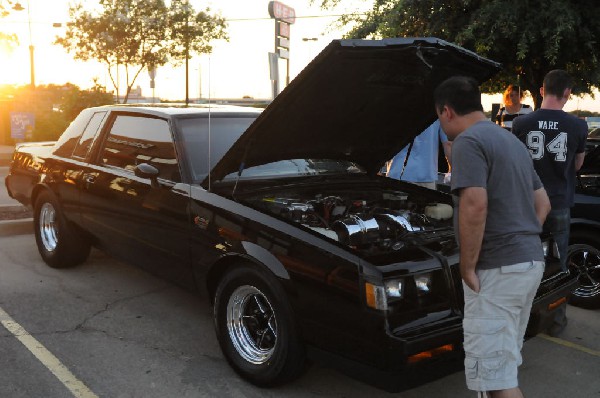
(6, 152)
(23, 226)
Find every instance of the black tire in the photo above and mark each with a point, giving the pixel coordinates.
(588, 236)
(255, 327)
(584, 260)
(59, 245)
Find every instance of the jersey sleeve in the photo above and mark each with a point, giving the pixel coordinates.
(517, 129)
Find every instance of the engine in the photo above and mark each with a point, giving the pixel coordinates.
(387, 222)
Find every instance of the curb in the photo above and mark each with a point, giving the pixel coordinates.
(13, 208)
(23, 226)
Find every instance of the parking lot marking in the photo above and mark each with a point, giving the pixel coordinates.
(571, 345)
(77, 388)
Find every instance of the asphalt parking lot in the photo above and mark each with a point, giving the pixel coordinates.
(106, 329)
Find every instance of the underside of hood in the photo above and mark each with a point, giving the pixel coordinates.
(358, 100)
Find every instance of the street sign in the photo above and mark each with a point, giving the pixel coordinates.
(283, 53)
(283, 42)
(282, 12)
(274, 66)
(21, 125)
(282, 29)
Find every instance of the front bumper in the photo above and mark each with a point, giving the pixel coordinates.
(552, 294)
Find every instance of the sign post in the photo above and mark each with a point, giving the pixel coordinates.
(284, 16)
(152, 75)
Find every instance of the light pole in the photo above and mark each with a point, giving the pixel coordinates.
(187, 9)
(19, 7)
(307, 39)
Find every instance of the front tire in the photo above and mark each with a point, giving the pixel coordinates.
(255, 327)
(584, 260)
(59, 245)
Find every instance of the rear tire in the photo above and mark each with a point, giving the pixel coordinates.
(59, 245)
(256, 329)
(584, 261)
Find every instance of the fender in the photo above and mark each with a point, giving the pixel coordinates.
(247, 251)
(584, 222)
(265, 257)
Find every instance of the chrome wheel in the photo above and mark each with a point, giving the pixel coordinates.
(48, 227)
(584, 260)
(251, 324)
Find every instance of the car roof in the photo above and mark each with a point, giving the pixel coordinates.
(176, 109)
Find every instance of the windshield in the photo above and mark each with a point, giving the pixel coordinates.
(203, 150)
(299, 167)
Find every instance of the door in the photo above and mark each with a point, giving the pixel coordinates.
(142, 221)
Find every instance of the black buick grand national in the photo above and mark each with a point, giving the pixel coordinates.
(279, 216)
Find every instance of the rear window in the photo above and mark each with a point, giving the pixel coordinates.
(70, 138)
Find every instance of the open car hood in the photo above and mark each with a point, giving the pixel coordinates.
(358, 100)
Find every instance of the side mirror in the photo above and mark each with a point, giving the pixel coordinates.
(145, 170)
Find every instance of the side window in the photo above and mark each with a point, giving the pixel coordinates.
(90, 131)
(137, 139)
(70, 137)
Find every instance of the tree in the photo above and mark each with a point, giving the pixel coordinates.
(73, 100)
(528, 37)
(138, 34)
(7, 40)
(56, 106)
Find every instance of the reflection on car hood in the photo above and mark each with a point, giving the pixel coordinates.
(358, 100)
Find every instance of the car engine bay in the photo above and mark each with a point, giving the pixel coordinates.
(371, 222)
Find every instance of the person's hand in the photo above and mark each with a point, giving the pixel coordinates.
(472, 280)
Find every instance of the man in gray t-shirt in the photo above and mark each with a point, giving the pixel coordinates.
(489, 158)
(500, 208)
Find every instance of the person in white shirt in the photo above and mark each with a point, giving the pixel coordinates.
(513, 95)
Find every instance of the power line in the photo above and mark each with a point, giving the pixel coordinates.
(297, 17)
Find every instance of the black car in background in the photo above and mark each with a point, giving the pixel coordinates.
(593, 139)
(584, 257)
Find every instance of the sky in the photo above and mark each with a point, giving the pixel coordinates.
(236, 68)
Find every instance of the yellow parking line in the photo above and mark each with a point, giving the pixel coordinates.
(77, 388)
(570, 345)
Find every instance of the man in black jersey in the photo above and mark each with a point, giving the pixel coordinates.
(556, 142)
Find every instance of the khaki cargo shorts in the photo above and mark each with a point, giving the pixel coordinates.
(495, 322)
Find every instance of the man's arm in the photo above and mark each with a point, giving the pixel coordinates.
(542, 204)
(579, 157)
(472, 214)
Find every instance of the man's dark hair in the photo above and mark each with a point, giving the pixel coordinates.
(556, 82)
(460, 93)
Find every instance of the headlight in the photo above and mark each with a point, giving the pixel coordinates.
(394, 288)
(423, 284)
(375, 296)
(406, 289)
